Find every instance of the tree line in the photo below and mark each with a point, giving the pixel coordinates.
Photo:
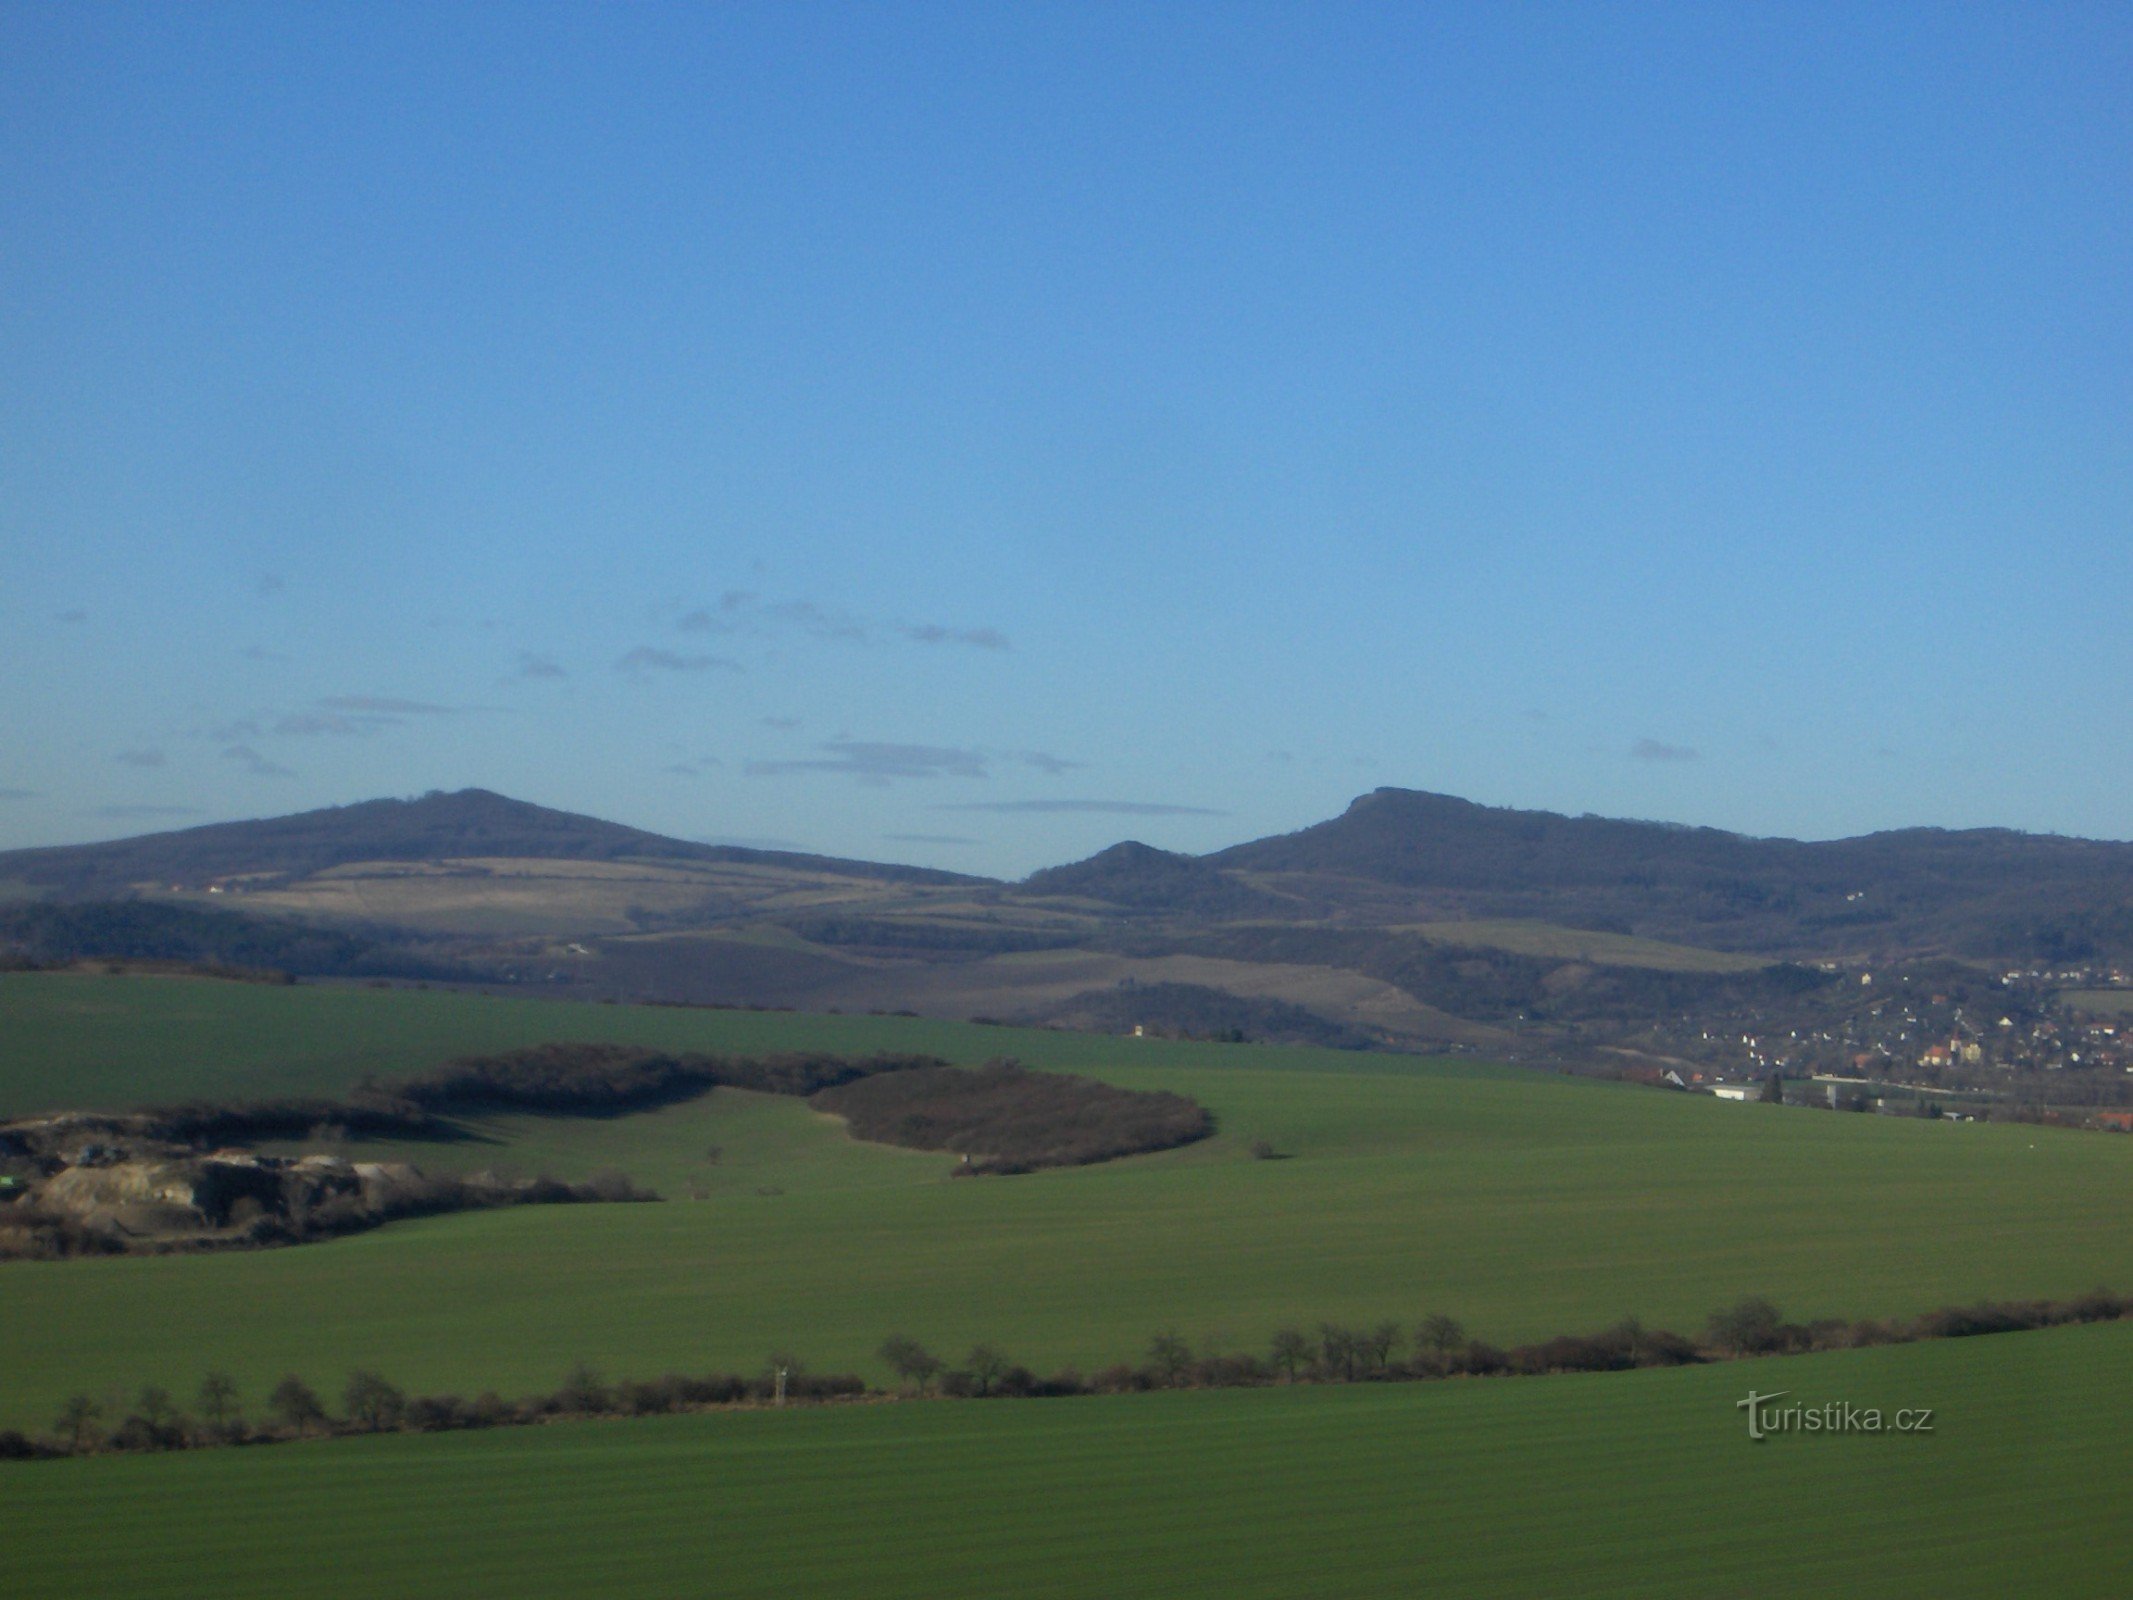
(1436, 1347)
(1006, 1117)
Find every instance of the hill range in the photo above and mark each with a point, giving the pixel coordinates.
(1411, 918)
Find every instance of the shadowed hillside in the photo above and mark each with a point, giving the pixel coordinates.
(471, 823)
(1986, 891)
(1409, 918)
(1138, 877)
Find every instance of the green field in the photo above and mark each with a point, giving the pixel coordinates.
(1526, 1204)
(1634, 1484)
(2100, 1002)
(1525, 938)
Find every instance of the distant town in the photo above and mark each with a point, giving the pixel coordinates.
(2053, 1044)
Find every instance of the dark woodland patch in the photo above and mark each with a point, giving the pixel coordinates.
(1005, 1118)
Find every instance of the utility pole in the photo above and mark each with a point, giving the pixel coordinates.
(781, 1386)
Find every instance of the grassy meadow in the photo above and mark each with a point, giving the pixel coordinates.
(1634, 1484)
(1526, 1204)
(1523, 937)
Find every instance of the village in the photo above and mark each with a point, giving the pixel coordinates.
(1930, 1040)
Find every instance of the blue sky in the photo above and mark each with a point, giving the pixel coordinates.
(973, 435)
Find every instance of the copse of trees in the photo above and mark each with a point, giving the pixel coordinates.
(1004, 1118)
(217, 943)
(1198, 1011)
(583, 1079)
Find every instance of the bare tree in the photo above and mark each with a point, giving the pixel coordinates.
(985, 1365)
(167, 1426)
(1630, 1330)
(297, 1404)
(77, 1422)
(1440, 1333)
(218, 1401)
(1380, 1343)
(372, 1403)
(1171, 1355)
(911, 1361)
(582, 1391)
(1338, 1350)
(1292, 1349)
(1753, 1327)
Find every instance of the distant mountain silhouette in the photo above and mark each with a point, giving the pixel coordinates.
(472, 822)
(1985, 890)
(1394, 856)
(1140, 877)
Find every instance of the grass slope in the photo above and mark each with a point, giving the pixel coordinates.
(1637, 1484)
(1580, 944)
(1526, 1204)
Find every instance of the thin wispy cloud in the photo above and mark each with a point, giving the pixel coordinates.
(930, 838)
(339, 716)
(133, 813)
(378, 705)
(872, 762)
(934, 633)
(18, 794)
(358, 715)
(651, 658)
(76, 614)
(255, 763)
(746, 841)
(270, 583)
(329, 724)
(1115, 808)
(531, 665)
(1045, 763)
(259, 652)
(879, 762)
(142, 758)
(1655, 750)
(742, 611)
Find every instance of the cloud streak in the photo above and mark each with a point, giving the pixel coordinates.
(308, 724)
(934, 633)
(142, 758)
(879, 762)
(339, 716)
(651, 658)
(377, 705)
(130, 812)
(874, 762)
(745, 612)
(1654, 750)
(255, 763)
(1115, 808)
